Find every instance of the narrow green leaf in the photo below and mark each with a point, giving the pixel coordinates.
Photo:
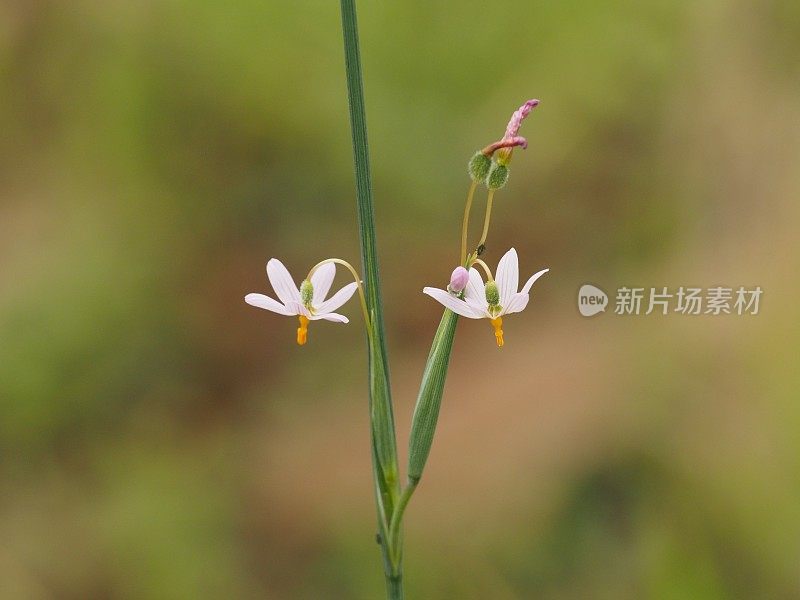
(358, 121)
(380, 417)
(426, 412)
(384, 445)
(378, 363)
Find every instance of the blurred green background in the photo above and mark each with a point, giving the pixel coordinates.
(161, 439)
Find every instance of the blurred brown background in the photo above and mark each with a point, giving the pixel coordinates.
(161, 439)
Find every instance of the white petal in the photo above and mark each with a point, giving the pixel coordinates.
(322, 280)
(527, 287)
(335, 317)
(480, 308)
(339, 298)
(457, 306)
(476, 289)
(267, 303)
(517, 303)
(282, 282)
(507, 277)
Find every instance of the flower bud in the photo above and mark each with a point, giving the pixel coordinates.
(479, 166)
(459, 279)
(306, 292)
(492, 294)
(498, 177)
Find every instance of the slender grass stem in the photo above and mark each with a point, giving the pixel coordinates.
(384, 444)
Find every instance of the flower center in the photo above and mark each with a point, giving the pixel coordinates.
(306, 293)
(493, 298)
(302, 331)
(492, 293)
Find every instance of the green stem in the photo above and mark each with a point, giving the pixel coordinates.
(384, 444)
(397, 518)
(394, 587)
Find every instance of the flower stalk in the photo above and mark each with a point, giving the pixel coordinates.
(465, 221)
(487, 218)
(361, 296)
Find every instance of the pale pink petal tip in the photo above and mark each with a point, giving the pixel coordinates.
(519, 141)
(519, 115)
(459, 279)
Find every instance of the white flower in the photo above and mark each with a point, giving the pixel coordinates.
(306, 302)
(493, 299)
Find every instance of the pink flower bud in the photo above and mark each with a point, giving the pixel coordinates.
(519, 115)
(511, 139)
(459, 279)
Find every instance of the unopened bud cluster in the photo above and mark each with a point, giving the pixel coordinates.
(479, 166)
(483, 169)
(498, 176)
(492, 170)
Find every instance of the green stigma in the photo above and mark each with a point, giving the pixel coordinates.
(492, 294)
(306, 293)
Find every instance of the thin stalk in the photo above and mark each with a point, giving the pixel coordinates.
(384, 444)
(360, 287)
(465, 222)
(485, 267)
(487, 218)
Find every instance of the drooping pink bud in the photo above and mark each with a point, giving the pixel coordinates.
(459, 279)
(511, 139)
(512, 130)
(504, 147)
(505, 143)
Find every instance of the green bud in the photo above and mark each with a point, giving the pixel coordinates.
(479, 166)
(306, 292)
(498, 177)
(492, 294)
